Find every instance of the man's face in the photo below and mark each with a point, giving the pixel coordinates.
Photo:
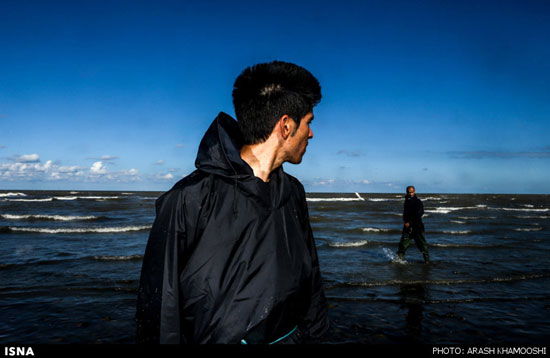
(410, 191)
(297, 141)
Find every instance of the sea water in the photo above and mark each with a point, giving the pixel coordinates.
(70, 263)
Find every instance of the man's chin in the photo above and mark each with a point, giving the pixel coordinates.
(296, 161)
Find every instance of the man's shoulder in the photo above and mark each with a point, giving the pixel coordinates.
(295, 182)
(189, 185)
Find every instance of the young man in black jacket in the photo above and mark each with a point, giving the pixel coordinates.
(231, 256)
(413, 227)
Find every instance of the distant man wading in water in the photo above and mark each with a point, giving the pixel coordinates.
(413, 227)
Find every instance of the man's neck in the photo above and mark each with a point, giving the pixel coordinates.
(263, 158)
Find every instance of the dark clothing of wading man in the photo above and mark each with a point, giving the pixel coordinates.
(412, 214)
(230, 258)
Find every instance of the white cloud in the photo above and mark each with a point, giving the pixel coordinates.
(27, 158)
(132, 172)
(29, 168)
(108, 157)
(167, 176)
(324, 182)
(104, 158)
(98, 168)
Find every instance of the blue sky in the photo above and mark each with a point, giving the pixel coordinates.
(450, 96)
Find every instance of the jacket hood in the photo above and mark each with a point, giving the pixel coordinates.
(219, 154)
(219, 150)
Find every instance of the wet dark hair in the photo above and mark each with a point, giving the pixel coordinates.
(265, 92)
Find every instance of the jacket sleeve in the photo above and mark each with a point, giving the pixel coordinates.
(157, 313)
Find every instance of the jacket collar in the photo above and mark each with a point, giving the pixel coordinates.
(219, 154)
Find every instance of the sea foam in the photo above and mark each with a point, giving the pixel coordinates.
(6, 195)
(47, 217)
(348, 244)
(104, 230)
(358, 198)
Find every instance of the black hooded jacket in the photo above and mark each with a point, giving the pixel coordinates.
(230, 258)
(413, 209)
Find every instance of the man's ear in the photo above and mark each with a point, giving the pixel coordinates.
(286, 126)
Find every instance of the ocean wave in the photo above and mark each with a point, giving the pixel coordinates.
(5, 195)
(332, 199)
(543, 210)
(464, 246)
(532, 217)
(457, 232)
(374, 229)
(443, 282)
(476, 217)
(118, 258)
(87, 230)
(80, 197)
(357, 198)
(448, 209)
(348, 244)
(99, 197)
(432, 198)
(528, 229)
(64, 198)
(49, 217)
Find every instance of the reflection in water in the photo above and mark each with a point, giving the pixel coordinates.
(413, 298)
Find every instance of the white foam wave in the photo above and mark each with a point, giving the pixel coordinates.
(442, 210)
(431, 198)
(117, 258)
(374, 229)
(476, 217)
(448, 209)
(6, 195)
(103, 230)
(524, 209)
(457, 232)
(528, 229)
(533, 217)
(358, 198)
(48, 217)
(458, 222)
(98, 197)
(348, 244)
